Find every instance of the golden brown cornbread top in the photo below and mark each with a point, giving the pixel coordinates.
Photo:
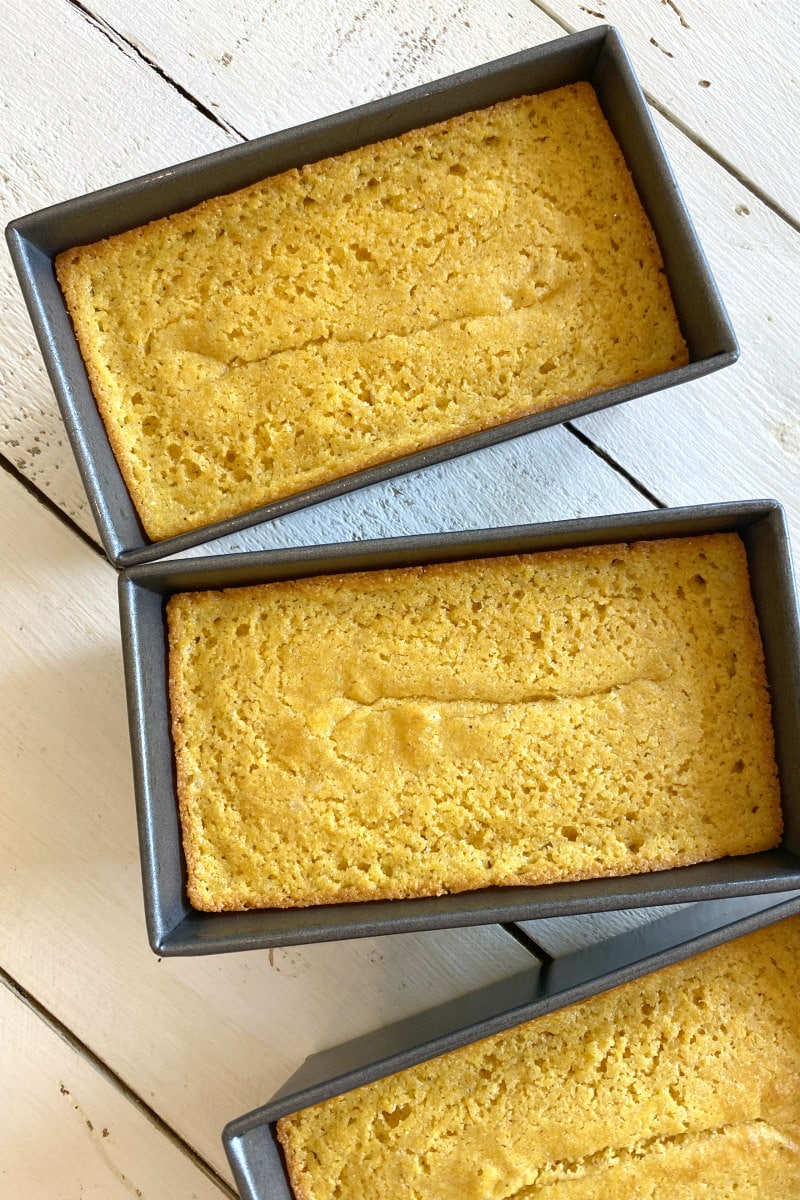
(682, 1084)
(526, 719)
(366, 306)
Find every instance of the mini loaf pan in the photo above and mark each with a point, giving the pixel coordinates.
(176, 929)
(251, 1141)
(597, 55)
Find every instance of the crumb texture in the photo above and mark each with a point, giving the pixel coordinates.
(358, 309)
(517, 720)
(678, 1086)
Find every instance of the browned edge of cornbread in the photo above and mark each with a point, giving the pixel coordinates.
(542, 874)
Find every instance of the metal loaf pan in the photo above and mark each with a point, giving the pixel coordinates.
(597, 55)
(175, 928)
(250, 1141)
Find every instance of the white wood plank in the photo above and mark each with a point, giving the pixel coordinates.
(545, 476)
(268, 67)
(68, 1131)
(727, 72)
(736, 434)
(731, 436)
(563, 935)
(201, 1040)
(78, 113)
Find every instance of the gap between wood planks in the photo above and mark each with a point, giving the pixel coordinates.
(626, 475)
(687, 132)
(71, 524)
(527, 942)
(110, 1076)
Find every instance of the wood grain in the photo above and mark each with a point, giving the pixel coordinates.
(91, 100)
(545, 476)
(564, 935)
(261, 69)
(71, 1132)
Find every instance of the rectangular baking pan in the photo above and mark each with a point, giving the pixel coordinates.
(175, 928)
(250, 1141)
(597, 55)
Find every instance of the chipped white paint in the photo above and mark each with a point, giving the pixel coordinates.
(726, 72)
(203, 1040)
(77, 114)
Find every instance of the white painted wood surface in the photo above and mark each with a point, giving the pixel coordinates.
(70, 1131)
(726, 72)
(200, 1040)
(260, 69)
(86, 100)
(735, 434)
(564, 935)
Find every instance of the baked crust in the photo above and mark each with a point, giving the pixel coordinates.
(522, 720)
(680, 1083)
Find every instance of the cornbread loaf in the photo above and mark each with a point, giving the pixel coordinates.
(517, 720)
(358, 309)
(680, 1085)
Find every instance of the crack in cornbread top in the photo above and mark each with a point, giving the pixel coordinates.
(358, 309)
(682, 1084)
(519, 720)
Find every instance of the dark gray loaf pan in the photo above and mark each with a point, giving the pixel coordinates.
(175, 928)
(597, 55)
(250, 1141)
